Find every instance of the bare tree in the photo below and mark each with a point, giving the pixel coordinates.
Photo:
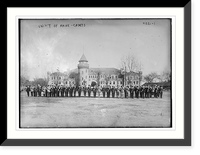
(130, 63)
(150, 77)
(166, 76)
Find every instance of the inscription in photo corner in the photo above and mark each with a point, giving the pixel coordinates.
(148, 23)
(61, 25)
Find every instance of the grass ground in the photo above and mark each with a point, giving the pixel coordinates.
(94, 112)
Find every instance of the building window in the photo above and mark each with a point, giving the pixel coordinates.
(66, 82)
(136, 82)
(113, 82)
(86, 77)
(82, 78)
(82, 72)
(121, 82)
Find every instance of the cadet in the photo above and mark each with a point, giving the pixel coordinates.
(158, 91)
(113, 91)
(53, 91)
(98, 91)
(89, 91)
(155, 91)
(103, 91)
(131, 91)
(79, 91)
(94, 91)
(71, 91)
(35, 91)
(150, 92)
(75, 89)
(46, 91)
(121, 92)
(161, 92)
(108, 92)
(117, 92)
(147, 92)
(31, 90)
(66, 91)
(137, 92)
(125, 92)
(84, 91)
(141, 92)
(28, 90)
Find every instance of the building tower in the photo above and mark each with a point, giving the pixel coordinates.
(83, 69)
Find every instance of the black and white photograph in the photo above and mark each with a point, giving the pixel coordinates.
(95, 73)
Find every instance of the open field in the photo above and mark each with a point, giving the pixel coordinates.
(94, 112)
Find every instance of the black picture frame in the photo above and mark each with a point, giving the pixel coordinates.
(124, 142)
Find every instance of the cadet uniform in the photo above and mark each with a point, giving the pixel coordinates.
(117, 92)
(131, 92)
(89, 91)
(28, 90)
(137, 92)
(125, 92)
(104, 91)
(161, 92)
(84, 91)
(113, 92)
(66, 91)
(79, 91)
(141, 92)
(108, 92)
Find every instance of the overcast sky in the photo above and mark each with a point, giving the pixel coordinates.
(103, 42)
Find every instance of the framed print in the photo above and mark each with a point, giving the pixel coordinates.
(99, 76)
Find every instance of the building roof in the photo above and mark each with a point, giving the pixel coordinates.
(163, 84)
(57, 74)
(131, 73)
(104, 70)
(83, 59)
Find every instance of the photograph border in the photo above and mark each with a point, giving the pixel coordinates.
(121, 19)
(126, 142)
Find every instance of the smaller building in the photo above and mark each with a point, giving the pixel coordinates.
(133, 78)
(58, 78)
(165, 85)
